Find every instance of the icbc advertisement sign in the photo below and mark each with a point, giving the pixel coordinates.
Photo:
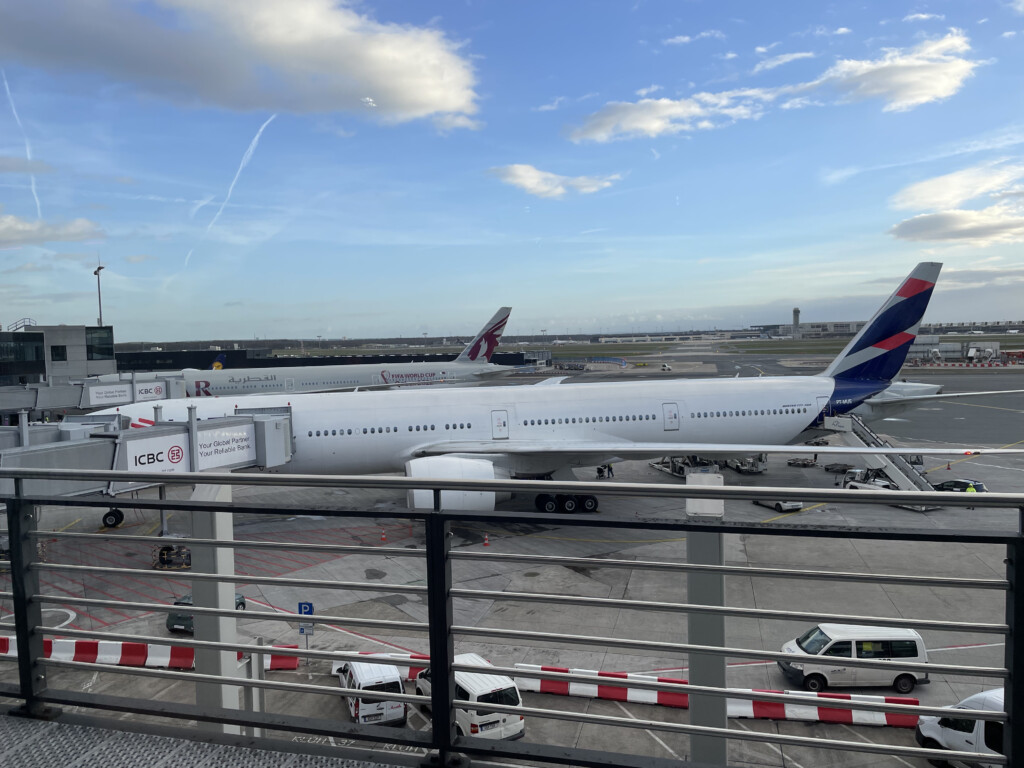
(158, 454)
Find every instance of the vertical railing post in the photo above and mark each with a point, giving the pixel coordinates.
(442, 644)
(28, 614)
(1013, 692)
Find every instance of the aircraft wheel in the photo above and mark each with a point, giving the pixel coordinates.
(567, 504)
(545, 502)
(587, 503)
(113, 518)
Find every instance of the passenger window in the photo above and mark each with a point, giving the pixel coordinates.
(334, 432)
(364, 430)
(962, 724)
(841, 649)
(461, 693)
(873, 649)
(318, 433)
(903, 649)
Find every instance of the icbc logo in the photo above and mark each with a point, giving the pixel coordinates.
(175, 455)
(158, 390)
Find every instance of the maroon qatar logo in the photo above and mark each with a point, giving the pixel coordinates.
(175, 455)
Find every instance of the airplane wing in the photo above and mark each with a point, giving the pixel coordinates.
(882, 406)
(584, 450)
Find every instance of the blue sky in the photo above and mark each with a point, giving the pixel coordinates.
(269, 168)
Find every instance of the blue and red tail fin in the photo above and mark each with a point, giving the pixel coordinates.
(218, 362)
(480, 349)
(877, 353)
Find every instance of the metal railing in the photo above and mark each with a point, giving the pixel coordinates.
(40, 694)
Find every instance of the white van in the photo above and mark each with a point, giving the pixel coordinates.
(835, 642)
(962, 733)
(485, 689)
(666, 367)
(378, 678)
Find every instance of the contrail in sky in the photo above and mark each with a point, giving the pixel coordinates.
(28, 147)
(245, 161)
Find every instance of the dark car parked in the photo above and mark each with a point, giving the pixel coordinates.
(182, 622)
(960, 485)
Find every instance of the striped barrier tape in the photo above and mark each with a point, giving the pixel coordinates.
(121, 654)
(598, 691)
(816, 712)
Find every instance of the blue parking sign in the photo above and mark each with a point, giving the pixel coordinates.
(305, 609)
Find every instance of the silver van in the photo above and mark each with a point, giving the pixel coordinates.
(820, 652)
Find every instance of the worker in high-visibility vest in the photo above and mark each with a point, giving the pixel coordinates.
(970, 489)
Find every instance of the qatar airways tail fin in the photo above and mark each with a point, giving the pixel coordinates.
(480, 349)
(877, 353)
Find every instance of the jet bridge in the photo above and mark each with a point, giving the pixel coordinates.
(259, 438)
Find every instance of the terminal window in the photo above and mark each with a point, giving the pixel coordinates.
(99, 343)
(59, 353)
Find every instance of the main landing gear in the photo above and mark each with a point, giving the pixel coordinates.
(113, 518)
(546, 502)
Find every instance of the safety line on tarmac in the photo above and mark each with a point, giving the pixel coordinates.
(869, 741)
(776, 747)
(650, 733)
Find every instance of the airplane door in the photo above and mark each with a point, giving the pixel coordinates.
(499, 425)
(671, 414)
(289, 385)
(823, 409)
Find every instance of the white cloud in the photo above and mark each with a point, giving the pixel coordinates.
(953, 189)
(15, 231)
(901, 78)
(310, 56)
(1017, 5)
(1000, 222)
(684, 39)
(655, 117)
(644, 92)
(139, 258)
(546, 184)
(766, 48)
(799, 103)
(550, 106)
(728, 55)
(826, 32)
(923, 16)
(1011, 33)
(778, 61)
(906, 78)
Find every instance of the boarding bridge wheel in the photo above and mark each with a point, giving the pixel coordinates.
(113, 518)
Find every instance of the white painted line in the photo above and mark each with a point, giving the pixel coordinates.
(869, 741)
(653, 735)
(785, 760)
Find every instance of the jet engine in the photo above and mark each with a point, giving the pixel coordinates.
(455, 468)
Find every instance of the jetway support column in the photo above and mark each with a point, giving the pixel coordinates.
(705, 548)
(211, 594)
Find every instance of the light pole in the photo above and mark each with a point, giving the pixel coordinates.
(99, 294)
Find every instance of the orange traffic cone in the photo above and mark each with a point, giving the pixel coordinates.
(487, 540)
(383, 536)
(948, 465)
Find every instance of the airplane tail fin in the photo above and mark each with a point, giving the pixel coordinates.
(480, 349)
(218, 362)
(877, 353)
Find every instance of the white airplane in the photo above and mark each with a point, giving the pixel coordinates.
(547, 430)
(472, 366)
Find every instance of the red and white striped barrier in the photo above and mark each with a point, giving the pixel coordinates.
(134, 654)
(815, 712)
(596, 690)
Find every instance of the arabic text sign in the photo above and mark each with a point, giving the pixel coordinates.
(226, 446)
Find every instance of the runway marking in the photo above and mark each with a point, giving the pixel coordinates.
(978, 405)
(776, 747)
(869, 741)
(653, 735)
(60, 530)
(790, 514)
(996, 466)
(968, 458)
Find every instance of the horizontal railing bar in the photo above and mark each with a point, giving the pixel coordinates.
(745, 653)
(235, 544)
(728, 733)
(261, 615)
(538, 486)
(212, 645)
(355, 586)
(732, 693)
(759, 613)
(737, 570)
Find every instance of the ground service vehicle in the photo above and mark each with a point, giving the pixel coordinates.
(484, 689)
(182, 622)
(377, 678)
(781, 506)
(868, 479)
(819, 654)
(962, 733)
(960, 485)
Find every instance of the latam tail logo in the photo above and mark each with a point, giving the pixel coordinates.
(490, 338)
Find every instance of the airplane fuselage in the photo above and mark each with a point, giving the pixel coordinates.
(374, 432)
